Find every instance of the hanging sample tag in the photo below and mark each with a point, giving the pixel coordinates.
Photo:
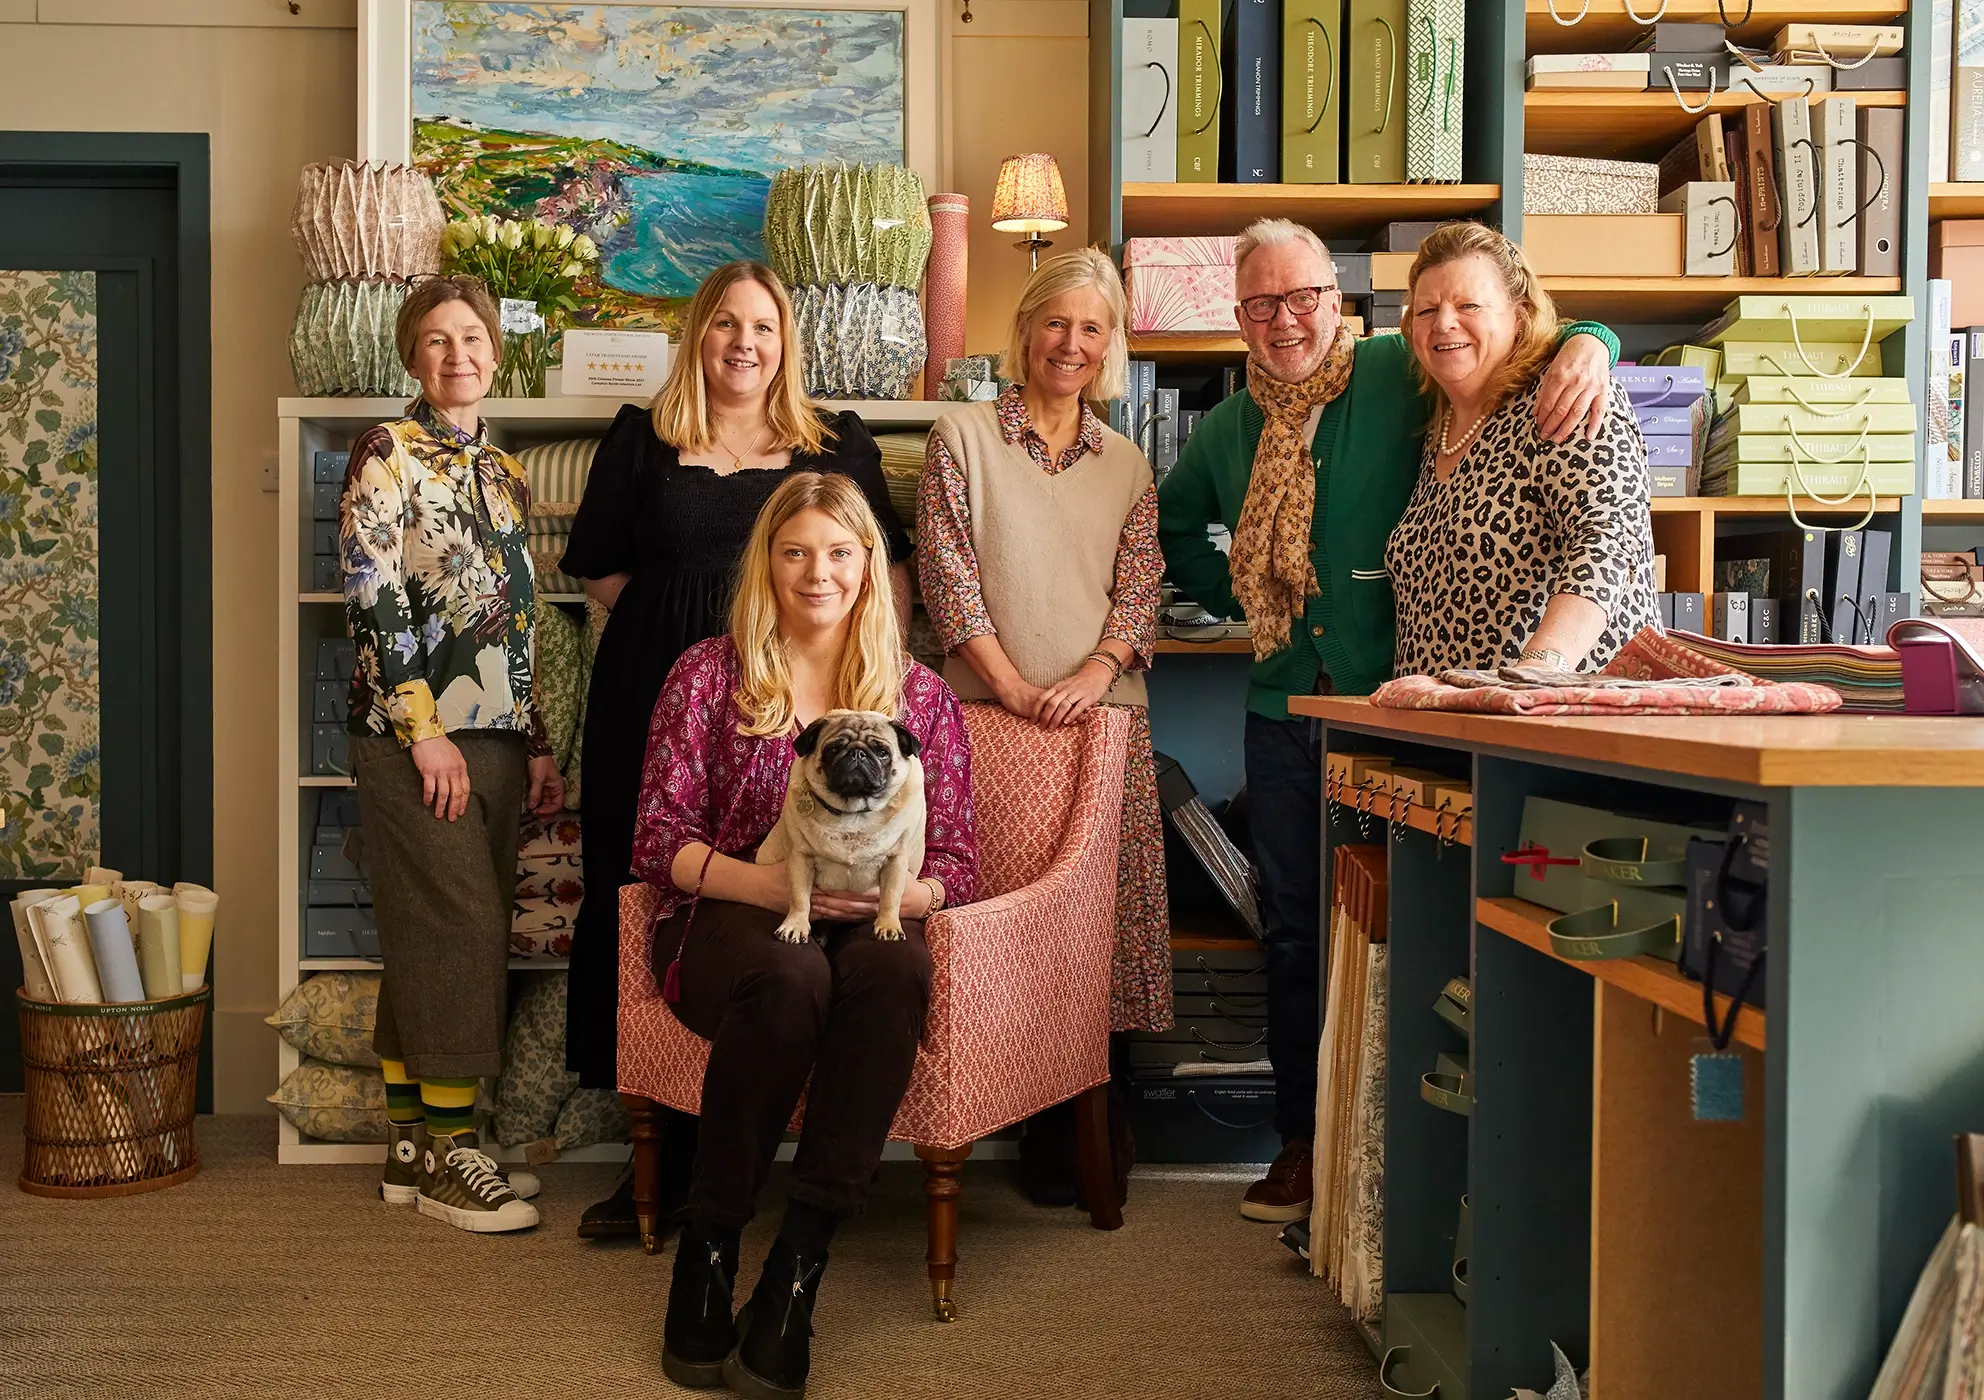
(1716, 1080)
(520, 317)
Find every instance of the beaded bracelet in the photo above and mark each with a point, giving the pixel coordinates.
(1107, 659)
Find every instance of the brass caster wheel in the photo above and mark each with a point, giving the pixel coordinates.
(649, 1245)
(946, 1310)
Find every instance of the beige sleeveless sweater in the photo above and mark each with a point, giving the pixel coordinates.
(1046, 548)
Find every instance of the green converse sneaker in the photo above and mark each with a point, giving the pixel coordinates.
(401, 1184)
(461, 1185)
(404, 1143)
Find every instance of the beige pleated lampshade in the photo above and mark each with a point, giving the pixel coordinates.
(1029, 197)
(357, 220)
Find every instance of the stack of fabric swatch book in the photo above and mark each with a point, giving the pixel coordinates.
(1805, 407)
(1347, 1228)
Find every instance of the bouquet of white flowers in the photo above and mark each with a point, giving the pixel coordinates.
(533, 270)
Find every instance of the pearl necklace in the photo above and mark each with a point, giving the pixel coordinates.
(1446, 421)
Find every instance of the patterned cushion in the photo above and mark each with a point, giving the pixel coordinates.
(557, 474)
(330, 1017)
(1019, 1006)
(564, 670)
(334, 1103)
(535, 1083)
(902, 469)
(550, 886)
(590, 1116)
(557, 470)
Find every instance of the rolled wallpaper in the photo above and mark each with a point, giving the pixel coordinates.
(130, 892)
(34, 972)
(197, 906)
(944, 285)
(116, 960)
(67, 945)
(158, 946)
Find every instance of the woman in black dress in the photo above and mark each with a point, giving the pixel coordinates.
(671, 498)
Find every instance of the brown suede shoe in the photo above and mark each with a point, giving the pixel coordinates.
(1285, 1193)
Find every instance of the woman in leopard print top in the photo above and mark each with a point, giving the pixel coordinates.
(1512, 548)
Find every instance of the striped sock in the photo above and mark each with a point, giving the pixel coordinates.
(449, 1104)
(402, 1092)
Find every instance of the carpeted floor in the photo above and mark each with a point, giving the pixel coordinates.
(259, 1280)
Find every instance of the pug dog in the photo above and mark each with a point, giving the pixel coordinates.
(853, 817)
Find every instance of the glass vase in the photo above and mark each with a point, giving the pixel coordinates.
(527, 338)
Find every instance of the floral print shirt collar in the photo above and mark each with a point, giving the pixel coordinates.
(1016, 427)
(430, 418)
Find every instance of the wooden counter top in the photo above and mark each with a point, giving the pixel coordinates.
(1763, 750)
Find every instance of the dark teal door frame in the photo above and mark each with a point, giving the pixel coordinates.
(155, 568)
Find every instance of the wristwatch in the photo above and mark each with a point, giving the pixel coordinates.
(1549, 656)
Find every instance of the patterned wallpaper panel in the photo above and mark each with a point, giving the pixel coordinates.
(50, 756)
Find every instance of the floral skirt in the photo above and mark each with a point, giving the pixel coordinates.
(1140, 984)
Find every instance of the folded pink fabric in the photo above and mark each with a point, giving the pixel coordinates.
(1648, 658)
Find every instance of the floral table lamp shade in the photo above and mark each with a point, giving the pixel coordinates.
(1030, 199)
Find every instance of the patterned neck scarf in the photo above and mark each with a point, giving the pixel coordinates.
(1272, 575)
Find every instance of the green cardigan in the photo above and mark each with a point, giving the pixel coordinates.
(1367, 453)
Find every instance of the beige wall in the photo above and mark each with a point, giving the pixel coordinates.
(1018, 82)
(276, 93)
(272, 100)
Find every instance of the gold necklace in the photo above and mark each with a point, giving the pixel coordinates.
(1446, 421)
(737, 458)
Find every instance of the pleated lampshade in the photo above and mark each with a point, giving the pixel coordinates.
(1030, 197)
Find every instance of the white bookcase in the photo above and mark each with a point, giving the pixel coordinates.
(308, 426)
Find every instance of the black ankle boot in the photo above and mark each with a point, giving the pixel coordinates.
(776, 1327)
(698, 1333)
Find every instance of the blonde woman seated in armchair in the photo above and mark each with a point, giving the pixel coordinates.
(812, 628)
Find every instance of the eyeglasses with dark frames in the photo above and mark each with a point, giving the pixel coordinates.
(1300, 302)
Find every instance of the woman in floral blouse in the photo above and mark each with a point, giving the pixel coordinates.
(812, 629)
(447, 745)
(1037, 545)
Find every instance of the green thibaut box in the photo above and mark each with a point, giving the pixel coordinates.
(1853, 319)
(1762, 419)
(1812, 479)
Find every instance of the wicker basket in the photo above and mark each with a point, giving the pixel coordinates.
(110, 1090)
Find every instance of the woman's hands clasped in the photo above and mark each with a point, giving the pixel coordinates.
(1062, 703)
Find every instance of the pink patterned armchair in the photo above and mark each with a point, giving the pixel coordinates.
(1019, 1003)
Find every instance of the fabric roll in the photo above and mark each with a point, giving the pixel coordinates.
(110, 943)
(101, 875)
(90, 892)
(197, 905)
(70, 964)
(944, 285)
(34, 972)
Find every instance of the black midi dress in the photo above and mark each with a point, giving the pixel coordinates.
(678, 530)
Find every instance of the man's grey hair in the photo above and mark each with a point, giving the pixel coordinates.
(1267, 233)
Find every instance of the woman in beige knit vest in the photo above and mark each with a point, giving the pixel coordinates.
(1037, 548)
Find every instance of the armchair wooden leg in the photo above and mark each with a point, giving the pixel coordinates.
(942, 1185)
(645, 1116)
(1105, 1209)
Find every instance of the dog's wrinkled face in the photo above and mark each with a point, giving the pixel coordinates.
(855, 759)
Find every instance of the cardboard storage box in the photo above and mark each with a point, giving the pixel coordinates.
(1956, 253)
(1194, 1118)
(1179, 284)
(345, 932)
(1599, 245)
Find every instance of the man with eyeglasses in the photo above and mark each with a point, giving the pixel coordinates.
(1310, 467)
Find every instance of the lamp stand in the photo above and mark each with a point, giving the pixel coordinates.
(1031, 245)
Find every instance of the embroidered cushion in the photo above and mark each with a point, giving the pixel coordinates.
(334, 1103)
(557, 474)
(330, 1017)
(535, 1083)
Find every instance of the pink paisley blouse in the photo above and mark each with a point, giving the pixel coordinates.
(703, 781)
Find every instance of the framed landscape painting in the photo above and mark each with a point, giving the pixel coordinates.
(655, 129)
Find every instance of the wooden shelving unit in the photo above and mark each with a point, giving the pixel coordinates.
(1187, 348)
(1649, 979)
(1152, 210)
(1224, 646)
(1953, 512)
(1957, 200)
(1632, 125)
(1677, 299)
(1607, 26)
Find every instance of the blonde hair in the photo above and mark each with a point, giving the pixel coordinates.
(1536, 313)
(682, 409)
(870, 673)
(1083, 269)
